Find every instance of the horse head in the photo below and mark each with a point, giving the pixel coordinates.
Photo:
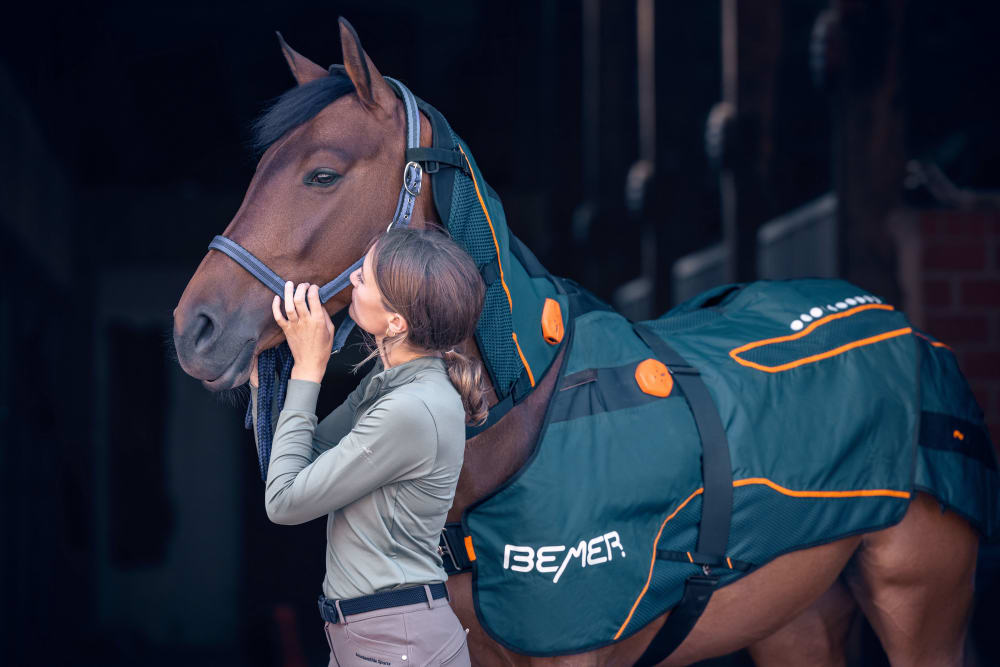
(326, 184)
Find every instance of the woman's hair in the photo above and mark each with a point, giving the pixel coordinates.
(428, 279)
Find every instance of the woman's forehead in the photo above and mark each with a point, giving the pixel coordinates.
(366, 266)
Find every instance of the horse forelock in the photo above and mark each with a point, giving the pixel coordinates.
(297, 106)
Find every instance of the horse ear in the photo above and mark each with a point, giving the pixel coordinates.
(372, 89)
(303, 69)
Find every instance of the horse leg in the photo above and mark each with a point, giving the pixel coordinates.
(754, 608)
(817, 636)
(914, 582)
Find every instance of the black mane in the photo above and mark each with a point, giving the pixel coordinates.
(296, 106)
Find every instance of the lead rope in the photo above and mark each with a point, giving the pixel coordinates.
(268, 362)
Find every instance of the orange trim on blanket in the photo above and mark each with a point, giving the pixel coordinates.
(735, 352)
(496, 245)
(653, 562)
(859, 493)
(531, 377)
(934, 343)
(468, 548)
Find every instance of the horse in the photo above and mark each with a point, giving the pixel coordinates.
(326, 184)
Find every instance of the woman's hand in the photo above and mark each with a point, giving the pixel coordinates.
(308, 330)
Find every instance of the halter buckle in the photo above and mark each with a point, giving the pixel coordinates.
(412, 177)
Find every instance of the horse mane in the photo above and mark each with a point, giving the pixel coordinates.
(296, 106)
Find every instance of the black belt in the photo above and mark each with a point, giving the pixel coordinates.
(396, 598)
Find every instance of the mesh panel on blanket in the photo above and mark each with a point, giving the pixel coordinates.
(470, 229)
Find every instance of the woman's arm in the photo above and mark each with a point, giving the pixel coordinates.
(395, 440)
(334, 426)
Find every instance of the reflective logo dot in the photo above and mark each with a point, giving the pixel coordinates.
(816, 312)
(796, 325)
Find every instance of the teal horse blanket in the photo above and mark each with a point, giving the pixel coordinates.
(836, 411)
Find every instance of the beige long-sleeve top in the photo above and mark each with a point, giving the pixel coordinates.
(383, 467)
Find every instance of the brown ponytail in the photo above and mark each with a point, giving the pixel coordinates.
(466, 373)
(428, 279)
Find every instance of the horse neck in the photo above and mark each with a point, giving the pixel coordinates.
(492, 456)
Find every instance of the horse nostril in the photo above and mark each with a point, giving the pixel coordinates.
(204, 332)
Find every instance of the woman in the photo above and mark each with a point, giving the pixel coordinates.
(384, 465)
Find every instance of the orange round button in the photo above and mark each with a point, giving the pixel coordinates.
(654, 378)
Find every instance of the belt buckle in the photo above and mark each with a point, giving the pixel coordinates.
(328, 607)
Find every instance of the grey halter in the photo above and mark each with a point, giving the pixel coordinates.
(412, 180)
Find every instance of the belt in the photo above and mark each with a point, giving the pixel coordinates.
(333, 611)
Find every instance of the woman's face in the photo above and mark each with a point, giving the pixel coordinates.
(367, 308)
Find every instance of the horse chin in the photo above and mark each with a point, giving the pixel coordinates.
(237, 373)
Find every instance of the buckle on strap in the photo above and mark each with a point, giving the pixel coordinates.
(451, 548)
(413, 178)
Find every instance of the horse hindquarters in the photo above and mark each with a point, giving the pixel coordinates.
(914, 583)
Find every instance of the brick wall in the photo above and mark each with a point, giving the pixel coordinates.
(959, 294)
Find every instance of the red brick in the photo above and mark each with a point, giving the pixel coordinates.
(984, 292)
(937, 293)
(981, 365)
(951, 255)
(952, 329)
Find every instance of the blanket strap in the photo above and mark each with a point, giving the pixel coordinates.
(433, 159)
(451, 546)
(717, 499)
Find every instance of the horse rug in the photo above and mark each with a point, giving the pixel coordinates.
(835, 409)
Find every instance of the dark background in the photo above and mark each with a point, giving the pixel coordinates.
(132, 519)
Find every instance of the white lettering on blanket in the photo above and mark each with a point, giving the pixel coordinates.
(590, 552)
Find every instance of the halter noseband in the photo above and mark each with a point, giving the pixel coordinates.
(412, 180)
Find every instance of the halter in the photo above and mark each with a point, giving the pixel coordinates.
(275, 364)
(412, 180)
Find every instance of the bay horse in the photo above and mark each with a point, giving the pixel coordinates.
(326, 184)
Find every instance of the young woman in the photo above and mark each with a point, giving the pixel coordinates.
(384, 465)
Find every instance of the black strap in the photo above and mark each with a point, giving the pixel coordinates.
(697, 591)
(716, 503)
(716, 468)
(433, 158)
(451, 546)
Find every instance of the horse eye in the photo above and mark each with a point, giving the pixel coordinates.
(321, 177)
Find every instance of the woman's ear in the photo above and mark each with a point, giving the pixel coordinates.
(397, 324)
